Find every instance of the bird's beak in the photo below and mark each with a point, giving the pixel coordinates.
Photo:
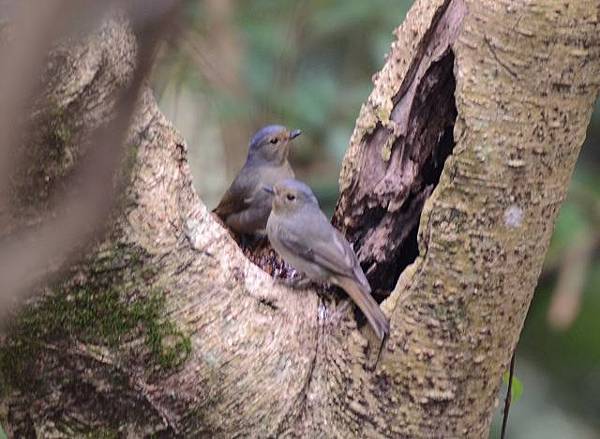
(294, 133)
(269, 190)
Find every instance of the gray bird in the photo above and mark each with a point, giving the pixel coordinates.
(300, 232)
(245, 207)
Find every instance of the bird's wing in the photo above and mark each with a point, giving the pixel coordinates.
(330, 250)
(323, 245)
(337, 255)
(239, 195)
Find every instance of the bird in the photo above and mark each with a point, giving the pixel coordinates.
(245, 206)
(301, 233)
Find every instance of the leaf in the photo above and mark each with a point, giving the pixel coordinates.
(517, 387)
(2, 434)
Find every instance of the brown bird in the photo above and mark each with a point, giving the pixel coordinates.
(245, 207)
(300, 232)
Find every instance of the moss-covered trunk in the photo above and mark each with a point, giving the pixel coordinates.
(452, 181)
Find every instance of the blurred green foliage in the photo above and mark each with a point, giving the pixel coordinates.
(308, 64)
(303, 64)
(517, 386)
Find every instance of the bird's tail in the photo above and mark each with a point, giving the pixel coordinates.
(362, 297)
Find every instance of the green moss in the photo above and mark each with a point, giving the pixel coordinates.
(61, 132)
(102, 434)
(113, 302)
(386, 151)
(58, 139)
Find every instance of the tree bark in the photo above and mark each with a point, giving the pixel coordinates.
(450, 187)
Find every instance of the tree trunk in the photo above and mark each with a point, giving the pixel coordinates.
(450, 187)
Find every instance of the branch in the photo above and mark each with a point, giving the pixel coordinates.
(28, 256)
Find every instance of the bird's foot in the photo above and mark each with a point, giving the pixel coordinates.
(296, 282)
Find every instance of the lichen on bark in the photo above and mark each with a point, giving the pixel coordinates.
(109, 303)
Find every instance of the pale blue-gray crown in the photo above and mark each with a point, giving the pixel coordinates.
(300, 188)
(264, 133)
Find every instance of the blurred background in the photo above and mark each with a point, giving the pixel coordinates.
(308, 64)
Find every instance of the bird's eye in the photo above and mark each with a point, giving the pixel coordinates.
(274, 140)
(290, 197)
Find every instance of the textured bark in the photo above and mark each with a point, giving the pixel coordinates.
(185, 336)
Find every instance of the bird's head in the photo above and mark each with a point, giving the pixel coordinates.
(271, 144)
(291, 195)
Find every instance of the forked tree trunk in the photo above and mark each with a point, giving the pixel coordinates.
(470, 136)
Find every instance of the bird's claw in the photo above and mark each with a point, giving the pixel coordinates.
(296, 282)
